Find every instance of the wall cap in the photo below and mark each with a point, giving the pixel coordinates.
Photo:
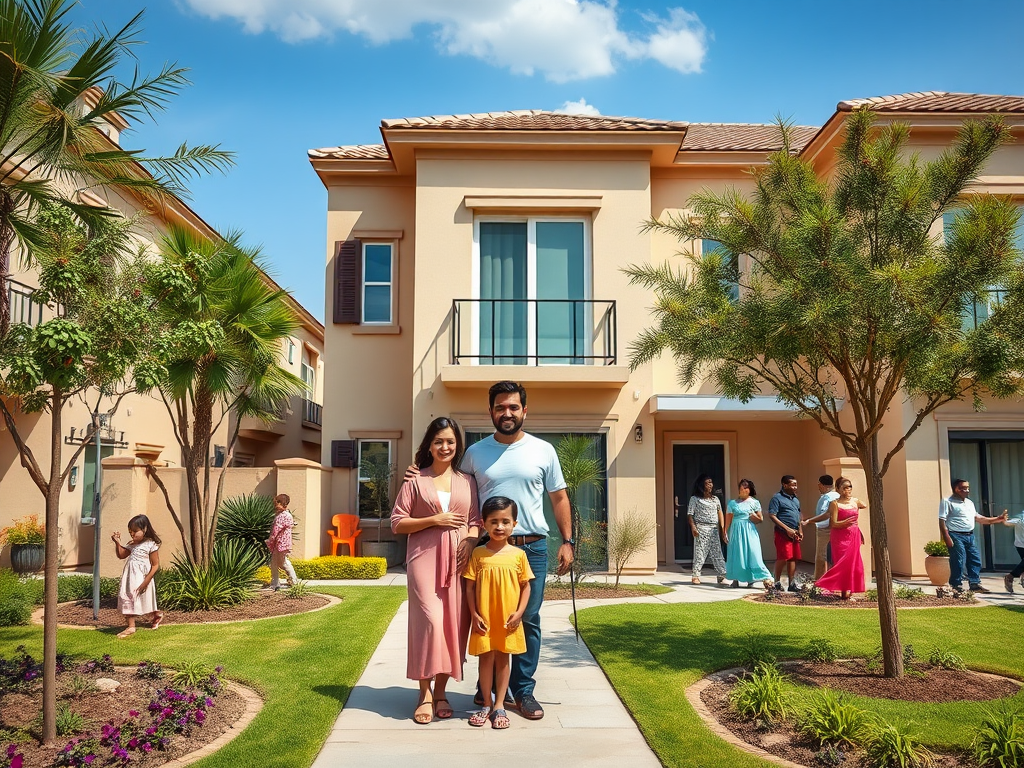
(297, 463)
(122, 462)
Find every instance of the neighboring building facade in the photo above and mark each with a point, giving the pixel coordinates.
(141, 425)
(468, 249)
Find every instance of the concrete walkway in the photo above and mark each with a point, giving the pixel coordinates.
(585, 723)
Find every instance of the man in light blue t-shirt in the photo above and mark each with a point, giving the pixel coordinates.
(822, 530)
(522, 467)
(957, 516)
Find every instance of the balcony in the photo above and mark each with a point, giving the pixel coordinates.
(312, 414)
(24, 309)
(545, 342)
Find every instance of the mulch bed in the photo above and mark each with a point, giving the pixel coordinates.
(859, 601)
(265, 605)
(19, 710)
(783, 740)
(556, 591)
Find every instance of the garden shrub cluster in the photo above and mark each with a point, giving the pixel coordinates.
(229, 579)
(17, 598)
(78, 586)
(329, 567)
(247, 518)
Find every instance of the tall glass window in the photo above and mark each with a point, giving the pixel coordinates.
(733, 285)
(377, 282)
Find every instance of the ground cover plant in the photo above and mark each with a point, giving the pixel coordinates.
(274, 657)
(652, 652)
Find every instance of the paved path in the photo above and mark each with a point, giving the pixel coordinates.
(585, 723)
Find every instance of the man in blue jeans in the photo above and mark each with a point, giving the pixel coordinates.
(522, 467)
(957, 516)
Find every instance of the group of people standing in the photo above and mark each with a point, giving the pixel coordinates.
(838, 564)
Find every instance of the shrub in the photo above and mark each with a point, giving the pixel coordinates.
(228, 579)
(191, 674)
(832, 719)
(298, 590)
(78, 586)
(17, 597)
(628, 536)
(906, 592)
(940, 657)
(24, 530)
(68, 721)
(150, 670)
(890, 745)
(329, 567)
(823, 649)
(760, 695)
(1000, 740)
(756, 650)
(247, 518)
(936, 549)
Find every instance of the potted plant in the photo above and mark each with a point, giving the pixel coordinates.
(936, 564)
(26, 537)
(375, 499)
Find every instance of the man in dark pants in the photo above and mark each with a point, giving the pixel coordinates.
(957, 516)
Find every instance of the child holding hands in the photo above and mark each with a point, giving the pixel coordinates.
(137, 596)
(497, 589)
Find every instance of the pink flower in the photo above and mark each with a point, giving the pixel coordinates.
(16, 761)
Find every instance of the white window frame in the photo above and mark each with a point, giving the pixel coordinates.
(311, 384)
(531, 279)
(363, 284)
(359, 463)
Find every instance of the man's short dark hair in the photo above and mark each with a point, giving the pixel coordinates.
(826, 480)
(506, 388)
(956, 483)
(787, 478)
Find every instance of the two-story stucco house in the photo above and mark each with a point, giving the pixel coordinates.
(466, 249)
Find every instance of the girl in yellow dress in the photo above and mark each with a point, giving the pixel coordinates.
(497, 589)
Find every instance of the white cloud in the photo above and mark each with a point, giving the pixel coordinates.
(578, 108)
(561, 39)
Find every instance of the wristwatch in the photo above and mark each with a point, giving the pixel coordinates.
(570, 541)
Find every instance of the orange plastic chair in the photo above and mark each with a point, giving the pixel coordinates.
(347, 533)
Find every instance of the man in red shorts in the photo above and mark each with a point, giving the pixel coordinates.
(784, 510)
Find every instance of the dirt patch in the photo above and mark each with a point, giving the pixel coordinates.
(831, 600)
(20, 710)
(556, 591)
(265, 605)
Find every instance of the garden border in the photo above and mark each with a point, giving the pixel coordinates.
(332, 600)
(253, 704)
(978, 603)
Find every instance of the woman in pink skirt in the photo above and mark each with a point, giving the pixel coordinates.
(846, 575)
(438, 510)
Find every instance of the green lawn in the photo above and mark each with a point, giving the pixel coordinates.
(651, 653)
(304, 666)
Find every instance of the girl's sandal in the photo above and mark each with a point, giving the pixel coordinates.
(158, 619)
(443, 712)
(499, 720)
(423, 718)
(479, 719)
(695, 580)
(126, 633)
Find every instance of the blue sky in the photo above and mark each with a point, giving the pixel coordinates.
(273, 78)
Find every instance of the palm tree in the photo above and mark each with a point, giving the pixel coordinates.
(215, 359)
(56, 88)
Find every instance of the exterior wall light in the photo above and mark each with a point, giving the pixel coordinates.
(638, 433)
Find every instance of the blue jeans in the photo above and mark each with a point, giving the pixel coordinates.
(963, 552)
(524, 665)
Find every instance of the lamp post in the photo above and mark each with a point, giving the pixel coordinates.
(97, 420)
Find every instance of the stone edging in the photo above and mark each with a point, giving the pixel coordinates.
(976, 604)
(694, 691)
(332, 600)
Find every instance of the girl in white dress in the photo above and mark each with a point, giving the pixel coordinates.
(137, 596)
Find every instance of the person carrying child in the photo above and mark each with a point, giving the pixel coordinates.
(137, 596)
(280, 542)
(497, 589)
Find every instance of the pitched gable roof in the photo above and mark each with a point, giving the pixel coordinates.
(352, 152)
(936, 101)
(742, 137)
(532, 120)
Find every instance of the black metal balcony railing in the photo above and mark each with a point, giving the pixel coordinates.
(534, 332)
(312, 413)
(24, 309)
(983, 308)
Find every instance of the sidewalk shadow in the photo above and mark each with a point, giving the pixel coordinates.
(396, 702)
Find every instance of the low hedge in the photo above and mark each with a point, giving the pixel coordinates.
(328, 567)
(17, 598)
(78, 586)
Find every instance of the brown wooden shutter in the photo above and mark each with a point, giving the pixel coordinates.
(347, 281)
(343, 453)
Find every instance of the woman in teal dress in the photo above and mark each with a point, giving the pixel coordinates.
(744, 561)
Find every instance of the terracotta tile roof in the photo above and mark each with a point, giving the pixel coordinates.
(740, 137)
(533, 120)
(937, 101)
(352, 152)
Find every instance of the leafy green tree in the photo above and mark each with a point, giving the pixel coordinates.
(851, 306)
(56, 85)
(86, 352)
(218, 333)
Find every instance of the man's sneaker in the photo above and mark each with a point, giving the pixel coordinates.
(979, 589)
(1008, 582)
(778, 586)
(528, 707)
(793, 587)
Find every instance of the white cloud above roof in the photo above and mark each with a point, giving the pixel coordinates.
(578, 108)
(561, 39)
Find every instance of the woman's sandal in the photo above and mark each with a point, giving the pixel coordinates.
(126, 633)
(478, 719)
(694, 580)
(423, 718)
(499, 720)
(445, 712)
(158, 619)
(721, 579)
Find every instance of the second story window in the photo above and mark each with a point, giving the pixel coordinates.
(309, 379)
(990, 296)
(378, 277)
(732, 286)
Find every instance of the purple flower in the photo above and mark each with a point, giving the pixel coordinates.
(132, 713)
(199, 716)
(209, 701)
(147, 747)
(151, 730)
(218, 670)
(133, 743)
(89, 758)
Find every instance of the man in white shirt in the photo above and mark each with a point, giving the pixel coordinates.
(957, 517)
(822, 531)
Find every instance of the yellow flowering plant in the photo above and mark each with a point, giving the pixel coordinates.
(27, 530)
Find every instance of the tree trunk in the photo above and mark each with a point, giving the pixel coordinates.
(50, 574)
(6, 241)
(202, 424)
(892, 649)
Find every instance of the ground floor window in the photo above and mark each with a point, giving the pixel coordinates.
(374, 457)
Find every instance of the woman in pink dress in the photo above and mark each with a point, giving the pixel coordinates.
(438, 510)
(846, 575)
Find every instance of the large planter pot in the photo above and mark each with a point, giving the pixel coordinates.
(937, 569)
(27, 558)
(389, 550)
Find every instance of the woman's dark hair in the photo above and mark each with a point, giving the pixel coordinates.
(423, 457)
(698, 486)
(750, 485)
(499, 504)
(141, 523)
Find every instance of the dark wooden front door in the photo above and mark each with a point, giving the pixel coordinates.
(689, 462)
